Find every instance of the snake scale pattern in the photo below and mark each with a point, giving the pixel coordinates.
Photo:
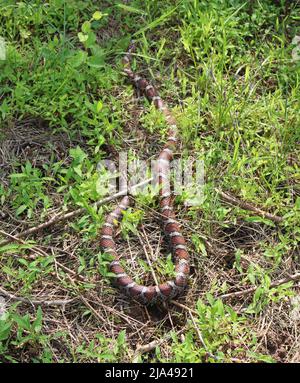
(151, 294)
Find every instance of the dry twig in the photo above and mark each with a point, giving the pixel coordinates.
(250, 290)
(248, 206)
(44, 302)
(67, 216)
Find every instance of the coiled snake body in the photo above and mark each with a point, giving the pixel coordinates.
(170, 289)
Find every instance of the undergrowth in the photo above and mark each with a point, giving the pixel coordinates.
(228, 71)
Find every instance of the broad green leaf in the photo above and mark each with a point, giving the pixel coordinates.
(99, 106)
(82, 37)
(86, 27)
(5, 328)
(97, 15)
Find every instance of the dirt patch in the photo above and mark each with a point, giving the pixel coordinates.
(30, 140)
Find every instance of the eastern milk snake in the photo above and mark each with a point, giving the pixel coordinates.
(170, 289)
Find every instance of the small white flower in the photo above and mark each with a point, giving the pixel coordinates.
(2, 306)
(295, 312)
(296, 50)
(2, 49)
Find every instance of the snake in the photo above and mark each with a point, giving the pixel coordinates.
(149, 295)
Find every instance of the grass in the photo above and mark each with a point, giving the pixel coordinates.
(226, 70)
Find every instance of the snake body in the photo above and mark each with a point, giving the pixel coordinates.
(170, 289)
